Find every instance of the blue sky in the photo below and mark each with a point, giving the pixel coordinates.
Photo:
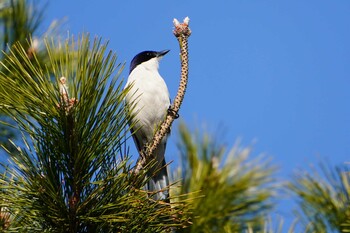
(272, 73)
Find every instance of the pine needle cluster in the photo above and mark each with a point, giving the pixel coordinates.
(73, 175)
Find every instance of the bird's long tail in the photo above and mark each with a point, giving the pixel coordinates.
(159, 184)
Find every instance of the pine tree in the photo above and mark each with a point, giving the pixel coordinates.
(20, 22)
(323, 197)
(74, 174)
(228, 191)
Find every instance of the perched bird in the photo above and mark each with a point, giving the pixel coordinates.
(147, 102)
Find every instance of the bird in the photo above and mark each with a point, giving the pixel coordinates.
(147, 102)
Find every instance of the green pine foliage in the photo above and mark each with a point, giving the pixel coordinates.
(324, 199)
(228, 191)
(74, 174)
(20, 22)
(72, 170)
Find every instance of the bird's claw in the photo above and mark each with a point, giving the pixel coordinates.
(172, 112)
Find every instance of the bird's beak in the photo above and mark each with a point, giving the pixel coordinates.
(162, 53)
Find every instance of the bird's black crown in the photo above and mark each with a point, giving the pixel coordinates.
(145, 56)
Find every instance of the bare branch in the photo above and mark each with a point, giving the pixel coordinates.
(181, 32)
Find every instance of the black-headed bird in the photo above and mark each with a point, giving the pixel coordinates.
(148, 101)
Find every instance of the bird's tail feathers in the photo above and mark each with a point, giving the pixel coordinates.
(159, 184)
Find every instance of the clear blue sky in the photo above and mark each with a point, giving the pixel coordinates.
(273, 72)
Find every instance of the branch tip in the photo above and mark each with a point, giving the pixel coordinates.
(182, 29)
(187, 20)
(67, 102)
(63, 80)
(176, 22)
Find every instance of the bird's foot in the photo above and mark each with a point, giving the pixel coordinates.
(172, 112)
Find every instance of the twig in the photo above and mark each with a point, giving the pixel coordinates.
(66, 102)
(181, 32)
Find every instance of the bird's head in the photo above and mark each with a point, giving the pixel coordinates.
(145, 57)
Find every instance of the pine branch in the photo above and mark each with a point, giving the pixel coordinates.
(181, 32)
(323, 198)
(228, 190)
(67, 177)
